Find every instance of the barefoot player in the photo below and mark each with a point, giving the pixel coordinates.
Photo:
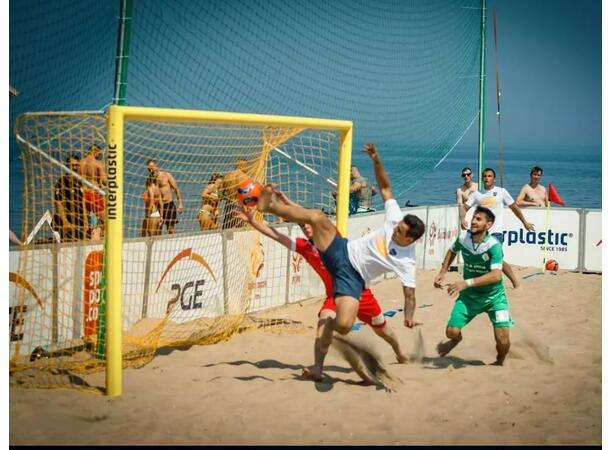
(482, 290)
(369, 310)
(356, 263)
(494, 198)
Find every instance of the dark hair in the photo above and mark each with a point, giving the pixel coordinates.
(72, 156)
(487, 212)
(489, 169)
(466, 168)
(416, 226)
(536, 169)
(149, 161)
(215, 176)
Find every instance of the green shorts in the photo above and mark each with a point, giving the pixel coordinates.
(466, 309)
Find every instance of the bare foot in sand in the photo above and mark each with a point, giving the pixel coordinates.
(402, 359)
(498, 362)
(308, 373)
(443, 348)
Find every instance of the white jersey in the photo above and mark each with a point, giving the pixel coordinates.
(376, 253)
(493, 199)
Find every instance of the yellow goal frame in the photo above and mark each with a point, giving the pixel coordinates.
(117, 117)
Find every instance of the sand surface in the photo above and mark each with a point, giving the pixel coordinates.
(247, 390)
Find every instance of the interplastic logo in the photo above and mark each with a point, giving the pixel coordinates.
(548, 237)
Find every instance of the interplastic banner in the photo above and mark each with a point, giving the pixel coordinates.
(529, 248)
(187, 271)
(593, 241)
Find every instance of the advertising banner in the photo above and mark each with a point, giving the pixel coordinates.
(266, 283)
(185, 275)
(559, 242)
(441, 232)
(185, 278)
(30, 301)
(92, 291)
(593, 241)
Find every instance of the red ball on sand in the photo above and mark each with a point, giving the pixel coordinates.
(552, 265)
(248, 192)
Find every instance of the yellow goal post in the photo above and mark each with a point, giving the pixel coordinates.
(118, 118)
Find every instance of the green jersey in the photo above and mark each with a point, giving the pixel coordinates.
(479, 259)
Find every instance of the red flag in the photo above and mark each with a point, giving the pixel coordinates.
(554, 195)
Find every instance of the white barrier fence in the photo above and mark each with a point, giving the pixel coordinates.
(71, 290)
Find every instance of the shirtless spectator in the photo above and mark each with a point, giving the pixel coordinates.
(533, 193)
(153, 209)
(469, 186)
(228, 191)
(69, 206)
(91, 168)
(210, 199)
(361, 193)
(167, 184)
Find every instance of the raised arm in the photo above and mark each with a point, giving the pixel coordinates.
(246, 215)
(383, 181)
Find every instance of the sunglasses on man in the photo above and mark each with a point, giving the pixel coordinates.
(466, 174)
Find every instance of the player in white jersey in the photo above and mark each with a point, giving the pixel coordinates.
(356, 263)
(494, 198)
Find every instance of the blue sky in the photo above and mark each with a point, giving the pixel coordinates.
(550, 58)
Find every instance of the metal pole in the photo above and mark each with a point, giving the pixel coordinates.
(483, 76)
(122, 54)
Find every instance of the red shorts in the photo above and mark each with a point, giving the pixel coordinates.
(94, 201)
(369, 310)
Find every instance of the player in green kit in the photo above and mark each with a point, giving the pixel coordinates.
(482, 290)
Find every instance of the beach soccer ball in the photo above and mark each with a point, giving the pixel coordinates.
(552, 265)
(248, 192)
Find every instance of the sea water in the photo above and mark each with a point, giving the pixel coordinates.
(576, 173)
